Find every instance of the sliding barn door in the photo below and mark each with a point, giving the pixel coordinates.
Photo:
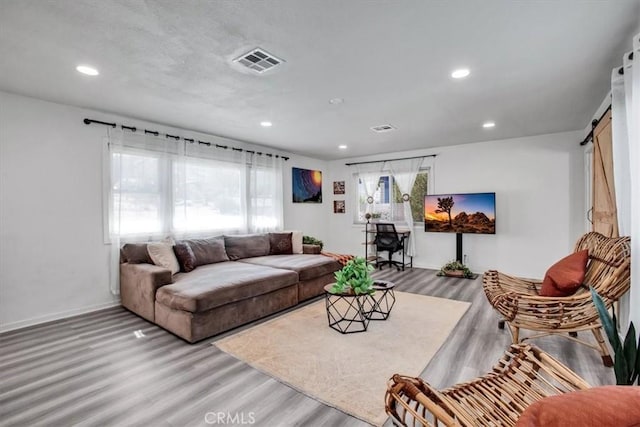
(604, 216)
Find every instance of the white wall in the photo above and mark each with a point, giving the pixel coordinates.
(539, 189)
(52, 257)
(53, 262)
(310, 218)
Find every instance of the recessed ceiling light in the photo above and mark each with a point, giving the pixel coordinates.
(488, 124)
(342, 147)
(336, 101)
(85, 69)
(460, 73)
(266, 124)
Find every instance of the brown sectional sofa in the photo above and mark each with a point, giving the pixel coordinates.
(219, 296)
(313, 272)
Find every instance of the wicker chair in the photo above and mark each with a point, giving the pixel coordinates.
(524, 375)
(517, 299)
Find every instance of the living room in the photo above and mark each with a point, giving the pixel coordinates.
(537, 75)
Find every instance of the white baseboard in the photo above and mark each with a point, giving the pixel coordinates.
(56, 316)
(479, 271)
(426, 266)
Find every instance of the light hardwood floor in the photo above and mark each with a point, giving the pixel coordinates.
(94, 370)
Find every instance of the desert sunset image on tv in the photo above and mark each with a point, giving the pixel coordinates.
(460, 213)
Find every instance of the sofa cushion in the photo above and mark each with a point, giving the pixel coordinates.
(307, 266)
(162, 254)
(136, 253)
(311, 249)
(185, 255)
(208, 251)
(246, 245)
(214, 285)
(599, 406)
(280, 244)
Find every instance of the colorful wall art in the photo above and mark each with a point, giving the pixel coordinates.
(307, 185)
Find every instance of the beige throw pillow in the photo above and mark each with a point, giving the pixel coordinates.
(162, 254)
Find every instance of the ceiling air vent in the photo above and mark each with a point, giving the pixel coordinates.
(383, 128)
(259, 60)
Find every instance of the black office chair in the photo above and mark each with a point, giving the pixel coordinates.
(387, 239)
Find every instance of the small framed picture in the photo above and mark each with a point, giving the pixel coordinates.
(338, 187)
(339, 206)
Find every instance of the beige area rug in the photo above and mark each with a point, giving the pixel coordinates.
(348, 372)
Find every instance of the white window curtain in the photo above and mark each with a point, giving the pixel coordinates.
(625, 109)
(369, 174)
(404, 173)
(429, 163)
(265, 193)
(620, 144)
(210, 191)
(633, 126)
(158, 187)
(137, 196)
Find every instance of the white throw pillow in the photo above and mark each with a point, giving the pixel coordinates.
(162, 254)
(296, 241)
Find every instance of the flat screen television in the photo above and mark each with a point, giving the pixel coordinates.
(460, 213)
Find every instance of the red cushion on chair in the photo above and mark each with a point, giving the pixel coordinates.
(565, 276)
(617, 406)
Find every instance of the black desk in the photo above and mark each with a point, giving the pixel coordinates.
(370, 234)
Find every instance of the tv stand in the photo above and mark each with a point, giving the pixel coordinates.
(459, 248)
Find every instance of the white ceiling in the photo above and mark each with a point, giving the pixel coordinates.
(536, 67)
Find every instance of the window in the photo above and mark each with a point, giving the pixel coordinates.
(156, 194)
(388, 198)
(208, 195)
(137, 195)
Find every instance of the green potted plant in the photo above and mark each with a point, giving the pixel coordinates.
(308, 240)
(354, 278)
(455, 269)
(626, 363)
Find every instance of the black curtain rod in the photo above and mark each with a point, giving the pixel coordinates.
(89, 121)
(177, 138)
(594, 123)
(390, 160)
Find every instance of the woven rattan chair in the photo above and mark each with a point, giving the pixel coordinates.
(524, 375)
(517, 300)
